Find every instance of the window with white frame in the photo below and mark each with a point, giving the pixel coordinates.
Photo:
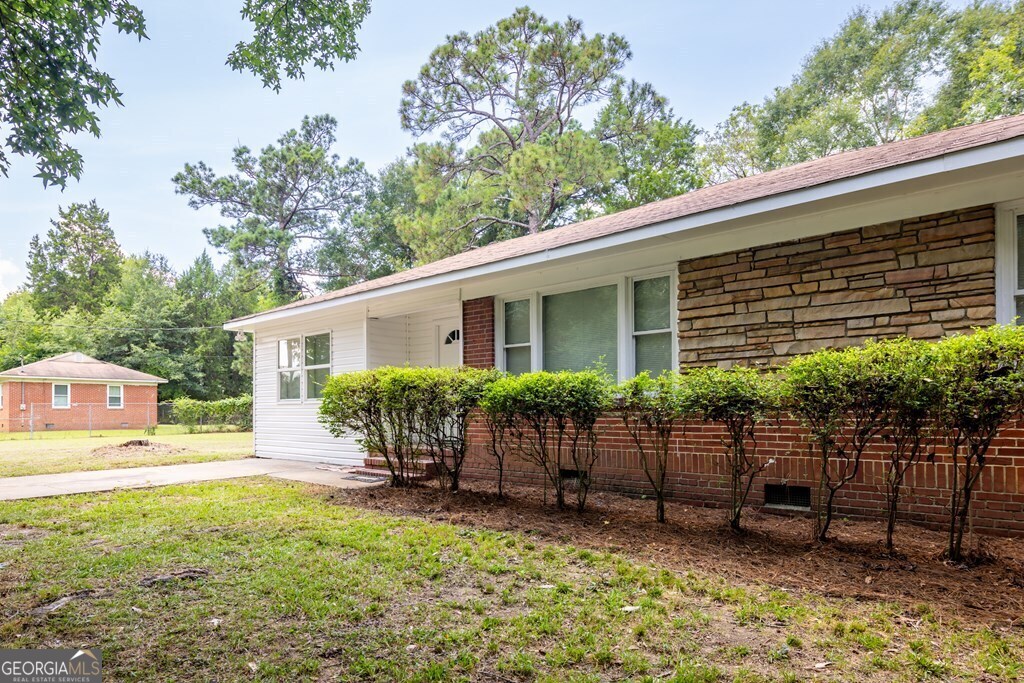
(115, 396)
(652, 325)
(518, 348)
(61, 396)
(580, 329)
(623, 325)
(303, 366)
(317, 364)
(1010, 263)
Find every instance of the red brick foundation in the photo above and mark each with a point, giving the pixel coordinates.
(697, 475)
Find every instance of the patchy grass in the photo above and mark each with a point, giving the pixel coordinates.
(19, 457)
(301, 588)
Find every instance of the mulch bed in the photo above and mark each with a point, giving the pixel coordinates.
(775, 550)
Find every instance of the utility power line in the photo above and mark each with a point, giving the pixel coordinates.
(38, 323)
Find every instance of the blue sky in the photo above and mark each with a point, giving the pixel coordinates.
(182, 104)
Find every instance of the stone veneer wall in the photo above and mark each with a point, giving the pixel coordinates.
(923, 277)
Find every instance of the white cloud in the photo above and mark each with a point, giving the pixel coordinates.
(10, 276)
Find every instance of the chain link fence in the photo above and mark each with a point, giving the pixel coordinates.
(44, 420)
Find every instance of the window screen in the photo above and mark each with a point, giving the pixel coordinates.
(1018, 298)
(580, 329)
(114, 396)
(317, 363)
(517, 337)
(652, 322)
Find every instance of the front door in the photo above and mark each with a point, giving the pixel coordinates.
(448, 340)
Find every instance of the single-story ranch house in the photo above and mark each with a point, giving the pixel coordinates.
(922, 237)
(76, 391)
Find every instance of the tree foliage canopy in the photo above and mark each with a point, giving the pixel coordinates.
(51, 87)
(513, 157)
(77, 263)
(286, 203)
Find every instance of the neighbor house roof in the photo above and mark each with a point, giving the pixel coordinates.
(798, 177)
(78, 366)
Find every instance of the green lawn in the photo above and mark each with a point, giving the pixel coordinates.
(300, 587)
(22, 456)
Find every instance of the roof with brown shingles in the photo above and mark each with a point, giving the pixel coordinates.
(74, 365)
(798, 177)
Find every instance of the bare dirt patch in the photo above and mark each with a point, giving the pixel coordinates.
(136, 447)
(775, 550)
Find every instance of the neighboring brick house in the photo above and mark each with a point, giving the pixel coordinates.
(923, 237)
(74, 391)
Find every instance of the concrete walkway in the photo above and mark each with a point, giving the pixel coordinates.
(45, 485)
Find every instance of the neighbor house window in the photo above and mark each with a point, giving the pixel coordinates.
(114, 393)
(517, 336)
(652, 325)
(623, 327)
(580, 329)
(61, 395)
(303, 366)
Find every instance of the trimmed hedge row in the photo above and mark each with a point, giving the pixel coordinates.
(195, 414)
(902, 395)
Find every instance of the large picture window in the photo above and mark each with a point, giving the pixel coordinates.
(303, 366)
(622, 325)
(580, 329)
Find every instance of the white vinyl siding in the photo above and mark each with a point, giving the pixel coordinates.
(290, 429)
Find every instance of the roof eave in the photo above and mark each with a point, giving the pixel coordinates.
(952, 161)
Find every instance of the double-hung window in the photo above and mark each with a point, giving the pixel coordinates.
(61, 396)
(622, 325)
(652, 325)
(317, 364)
(303, 365)
(518, 348)
(114, 396)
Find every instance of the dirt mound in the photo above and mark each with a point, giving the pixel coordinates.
(137, 447)
(775, 550)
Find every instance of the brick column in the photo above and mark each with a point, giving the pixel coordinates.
(478, 332)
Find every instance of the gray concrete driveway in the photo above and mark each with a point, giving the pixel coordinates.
(45, 485)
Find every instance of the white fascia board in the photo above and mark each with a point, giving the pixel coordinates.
(955, 161)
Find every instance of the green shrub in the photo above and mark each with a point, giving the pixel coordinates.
(739, 399)
(441, 401)
(374, 406)
(981, 385)
(908, 416)
(840, 396)
(196, 415)
(403, 413)
(651, 409)
(546, 414)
